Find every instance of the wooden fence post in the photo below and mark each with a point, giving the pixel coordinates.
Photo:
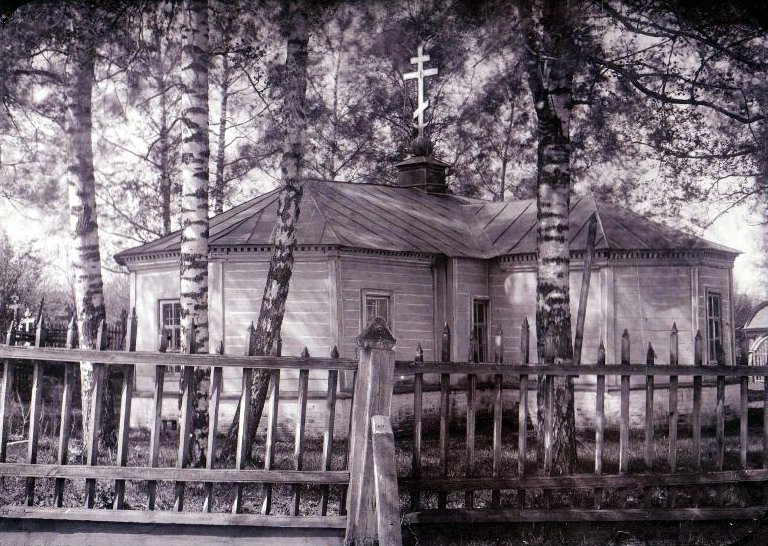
(373, 396)
(214, 395)
(418, 382)
(385, 483)
(469, 495)
(6, 395)
(445, 402)
(35, 408)
(673, 413)
(599, 423)
(522, 409)
(155, 431)
(65, 425)
(244, 424)
(650, 359)
(185, 419)
(97, 396)
(498, 380)
(624, 410)
(129, 329)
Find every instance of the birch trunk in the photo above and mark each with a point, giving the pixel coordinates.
(194, 206)
(291, 167)
(83, 222)
(550, 78)
(219, 185)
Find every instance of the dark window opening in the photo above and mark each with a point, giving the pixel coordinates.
(377, 305)
(480, 329)
(170, 324)
(715, 327)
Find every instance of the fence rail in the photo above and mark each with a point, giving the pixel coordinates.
(444, 479)
(39, 357)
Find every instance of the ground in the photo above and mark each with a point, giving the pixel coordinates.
(715, 533)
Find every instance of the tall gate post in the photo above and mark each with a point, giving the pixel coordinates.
(373, 396)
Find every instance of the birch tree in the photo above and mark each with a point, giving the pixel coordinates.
(194, 206)
(294, 86)
(550, 65)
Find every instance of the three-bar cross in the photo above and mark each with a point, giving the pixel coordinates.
(419, 76)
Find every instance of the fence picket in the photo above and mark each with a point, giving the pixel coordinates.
(765, 433)
(498, 384)
(445, 394)
(720, 419)
(298, 446)
(418, 382)
(65, 425)
(35, 408)
(599, 424)
(125, 408)
(673, 413)
(698, 353)
(469, 495)
(186, 413)
(6, 395)
(157, 420)
(214, 396)
(330, 420)
(244, 425)
(624, 411)
(648, 455)
(624, 415)
(272, 410)
(522, 409)
(97, 395)
(743, 420)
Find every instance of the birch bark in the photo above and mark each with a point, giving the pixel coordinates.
(194, 205)
(291, 168)
(83, 223)
(550, 67)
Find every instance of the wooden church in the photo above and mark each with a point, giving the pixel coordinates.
(421, 257)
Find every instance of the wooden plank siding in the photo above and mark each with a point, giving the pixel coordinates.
(410, 285)
(648, 300)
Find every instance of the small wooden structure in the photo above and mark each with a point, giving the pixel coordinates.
(422, 258)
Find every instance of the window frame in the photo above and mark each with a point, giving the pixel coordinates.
(380, 293)
(712, 339)
(487, 337)
(161, 326)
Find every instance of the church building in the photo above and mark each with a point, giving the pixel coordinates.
(420, 257)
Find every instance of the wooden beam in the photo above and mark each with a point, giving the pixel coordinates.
(576, 514)
(61, 356)
(385, 482)
(578, 338)
(142, 473)
(172, 518)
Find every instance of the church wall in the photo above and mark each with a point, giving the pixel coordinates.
(409, 283)
(307, 314)
(470, 282)
(513, 293)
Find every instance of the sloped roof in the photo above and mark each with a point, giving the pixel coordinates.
(373, 216)
(759, 319)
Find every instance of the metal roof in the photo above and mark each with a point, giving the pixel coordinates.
(372, 216)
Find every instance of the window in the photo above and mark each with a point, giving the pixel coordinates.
(480, 328)
(170, 322)
(715, 326)
(376, 305)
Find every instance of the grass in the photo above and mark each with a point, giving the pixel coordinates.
(12, 489)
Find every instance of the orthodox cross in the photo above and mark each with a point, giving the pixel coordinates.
(419, 76)
(15, 306)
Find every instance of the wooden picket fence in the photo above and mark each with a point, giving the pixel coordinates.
(369, 507)
(522, 507)
(40, 358)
